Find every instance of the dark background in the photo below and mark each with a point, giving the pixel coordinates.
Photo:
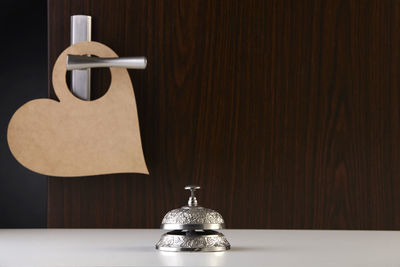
(286, 112)
(23, 75)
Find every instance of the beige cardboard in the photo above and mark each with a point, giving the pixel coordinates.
(74, 137)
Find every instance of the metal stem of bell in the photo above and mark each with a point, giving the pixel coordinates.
(192, 199)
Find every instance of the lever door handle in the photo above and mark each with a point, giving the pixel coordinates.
(75, 62)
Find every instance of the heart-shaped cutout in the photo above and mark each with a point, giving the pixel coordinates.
(73, 137)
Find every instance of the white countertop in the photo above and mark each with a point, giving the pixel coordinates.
(135, 247)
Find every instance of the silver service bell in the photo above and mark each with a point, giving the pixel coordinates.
(193, 228)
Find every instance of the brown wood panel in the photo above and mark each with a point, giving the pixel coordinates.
(286, 112)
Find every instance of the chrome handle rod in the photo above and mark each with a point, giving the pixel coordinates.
(81, 31)
(75, 62)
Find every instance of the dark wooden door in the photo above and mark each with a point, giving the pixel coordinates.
(287, 113)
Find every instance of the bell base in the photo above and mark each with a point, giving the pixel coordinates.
(214, 249)
(193, 241)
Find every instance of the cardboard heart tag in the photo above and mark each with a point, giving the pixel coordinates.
(74, 137)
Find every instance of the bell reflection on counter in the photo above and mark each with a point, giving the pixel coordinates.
(193, 228)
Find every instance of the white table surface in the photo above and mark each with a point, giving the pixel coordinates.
(135, 247)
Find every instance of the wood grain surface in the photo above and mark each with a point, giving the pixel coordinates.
(287, 113)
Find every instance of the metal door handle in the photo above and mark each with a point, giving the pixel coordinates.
(75, 62)
(81, 28)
